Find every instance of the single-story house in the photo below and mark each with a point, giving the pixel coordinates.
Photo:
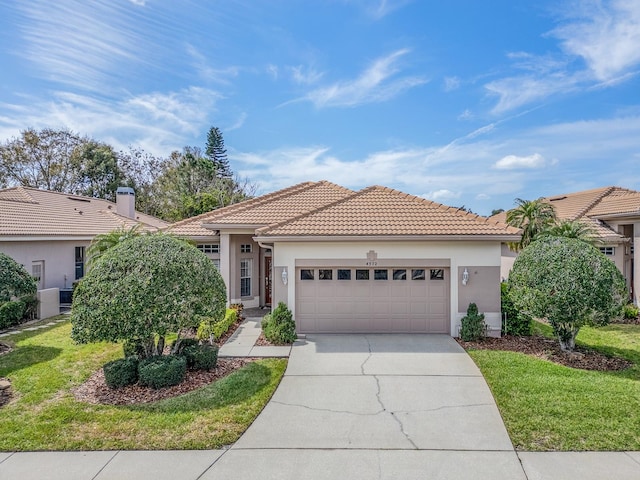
(613, 213)
(375, 260)
(49, 232)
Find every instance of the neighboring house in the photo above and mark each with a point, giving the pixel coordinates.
(377, 260)
(614, 215)
(49, 232)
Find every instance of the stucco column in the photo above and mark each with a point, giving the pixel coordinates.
(636, 262)
(225, 261)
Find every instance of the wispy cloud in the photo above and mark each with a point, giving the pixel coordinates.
(379, 9)
(604, 36)
(513, 162)
(451, 83)
(305, 75)
(377, 83)
(441, 195)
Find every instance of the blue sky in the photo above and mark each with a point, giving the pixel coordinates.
(462, 102)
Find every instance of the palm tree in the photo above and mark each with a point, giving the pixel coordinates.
(103, 242)
(573, 229)
(533, 217)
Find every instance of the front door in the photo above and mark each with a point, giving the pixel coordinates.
(267, 281)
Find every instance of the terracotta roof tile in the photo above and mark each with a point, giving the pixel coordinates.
(381, 211)
(28, 211)
(265, 210)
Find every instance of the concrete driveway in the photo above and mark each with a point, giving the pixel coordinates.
(383, 406)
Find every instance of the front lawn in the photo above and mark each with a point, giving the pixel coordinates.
(44, 415)
(546, 406)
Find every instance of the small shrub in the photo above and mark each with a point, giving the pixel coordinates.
(472, 323)
(201, 357)
(180, 344)
(11, 313)
(210, 329)
(517, 322)
(278, 326)
(162, 371)
(122, 372)
(630, 311)
(238, 307)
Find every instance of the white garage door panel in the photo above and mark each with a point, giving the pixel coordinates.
(325, 304)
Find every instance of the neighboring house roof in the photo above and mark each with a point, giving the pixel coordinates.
(381, 212)
(31, 212)
(592, 207)
(260, 211)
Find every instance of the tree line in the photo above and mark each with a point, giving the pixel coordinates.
(181, 185)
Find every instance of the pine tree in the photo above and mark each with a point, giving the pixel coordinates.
(216, 152)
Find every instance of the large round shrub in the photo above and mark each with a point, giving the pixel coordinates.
(143, 288)
(17, 290)
(121, 372)
(568, 282)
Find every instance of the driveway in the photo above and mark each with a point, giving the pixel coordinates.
(382, 406)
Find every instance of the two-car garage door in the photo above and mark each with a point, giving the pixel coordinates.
(372, 300)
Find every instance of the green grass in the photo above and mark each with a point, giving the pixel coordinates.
(44, 415)
(552, 407)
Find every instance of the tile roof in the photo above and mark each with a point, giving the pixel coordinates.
(381, 211)
(28, 211)
(265, 210)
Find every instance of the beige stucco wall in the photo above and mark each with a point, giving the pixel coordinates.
(235, 257)
(58, 255)
(459, 254)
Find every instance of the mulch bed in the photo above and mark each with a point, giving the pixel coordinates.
(96, 391)
(263, 342)
(548, 349)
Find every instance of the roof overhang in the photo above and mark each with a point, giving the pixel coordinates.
(618, 216)
(387, 238)
(46, 238)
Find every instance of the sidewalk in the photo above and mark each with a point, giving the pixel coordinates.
(242, 342)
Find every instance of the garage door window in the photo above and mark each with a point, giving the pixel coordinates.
(362, 274)
(344, 274)
(381, 275)
(437, 274)
(417, 274)
(325, 274)
(400, 274)
(306, 274)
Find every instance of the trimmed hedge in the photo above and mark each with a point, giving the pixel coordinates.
(210, 329)
(11, 313)
(162, 371)
(121, 372)
(279, 326)
(472, 324)
(201, 357)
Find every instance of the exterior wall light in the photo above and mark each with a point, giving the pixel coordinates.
(465, 276)
(285, 276)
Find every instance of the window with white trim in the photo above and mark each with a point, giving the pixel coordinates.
(209, 247)
(246, 266)
(216, 262)
(608, 251)
(245, 248)
(79, 254)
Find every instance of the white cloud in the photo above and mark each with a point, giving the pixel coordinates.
(272, 71)
(376, 84)
(513, 162)
(238, 123)
(305, 75)
(441, 195)
(451, 83)
(483, 196)
(466, 115)
(380, 8)
(605, 35)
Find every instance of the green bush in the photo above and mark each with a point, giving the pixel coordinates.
(516, 322)
(472, 324)
(122, 372)
(11, 313)
(278, 326)
(181, 343)
(133, 348)
(630, 311)
(201, 357)
(162, 371)
(211, 329)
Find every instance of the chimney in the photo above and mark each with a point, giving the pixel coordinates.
(126, 202)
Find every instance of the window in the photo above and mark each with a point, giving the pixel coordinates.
(609, 251)
(380, 275)
(436, 274)
(344, 274)
(362, 274)
(216, 262)
(79, 262)
(400, 274)
(245, 277)
(209, 247)
(325, 274)
(417, 274)
(37, 272)
(245, 248)
(306, 274)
